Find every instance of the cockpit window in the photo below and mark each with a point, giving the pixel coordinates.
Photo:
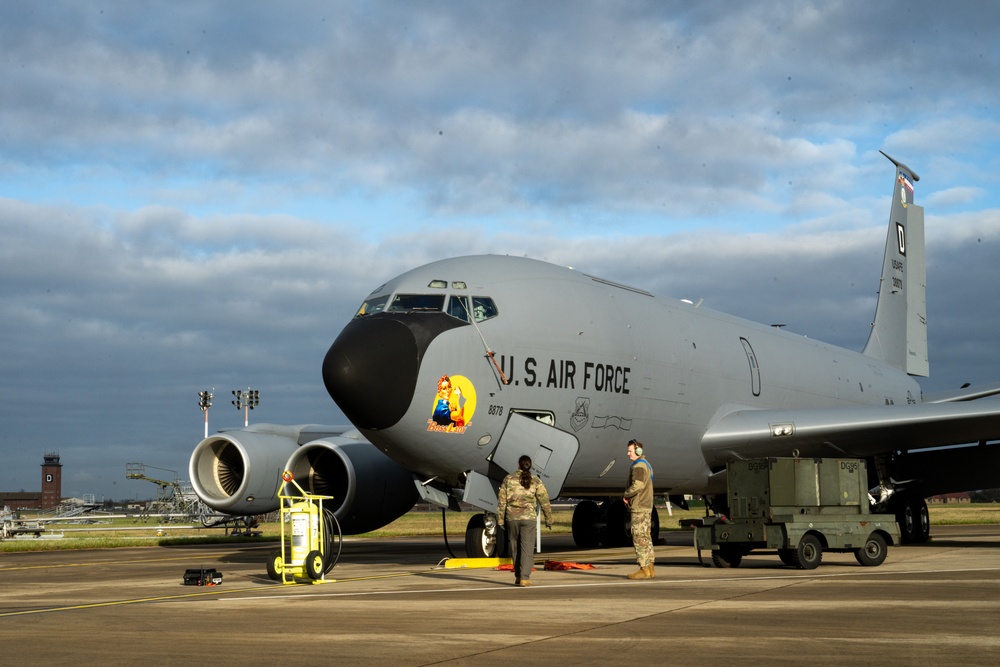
(458, 306)
(372, 306)
(483, 308)
(408, 302)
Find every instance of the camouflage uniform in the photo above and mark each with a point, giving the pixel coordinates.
(639, 494)
(516, 509)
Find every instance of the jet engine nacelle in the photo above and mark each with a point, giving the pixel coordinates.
(239, 472)
(369, 489)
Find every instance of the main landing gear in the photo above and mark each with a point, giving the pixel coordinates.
(911, 511)
(606, 524)
(594, 524)
(914, 521)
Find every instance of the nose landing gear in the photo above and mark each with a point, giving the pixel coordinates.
(484, 538)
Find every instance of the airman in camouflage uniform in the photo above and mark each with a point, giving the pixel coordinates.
(639, 498)
(519, 494)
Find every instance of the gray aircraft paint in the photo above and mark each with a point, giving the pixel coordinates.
(698, 387)
(598, 363)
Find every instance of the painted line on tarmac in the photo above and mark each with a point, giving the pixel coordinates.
(131, 561)
(116, 603)
(424, 591)
(622, 582)
(202, 593)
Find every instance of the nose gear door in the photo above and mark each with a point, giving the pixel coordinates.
(552, 451)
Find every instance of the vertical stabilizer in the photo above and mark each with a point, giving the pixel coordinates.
(899, 332)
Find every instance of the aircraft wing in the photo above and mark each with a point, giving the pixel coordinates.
(966, 393)
(861, 431)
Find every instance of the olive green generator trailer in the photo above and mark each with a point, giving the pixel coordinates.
(801, 507)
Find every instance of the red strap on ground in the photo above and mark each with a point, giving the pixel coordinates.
(508, 567)
(567, 565)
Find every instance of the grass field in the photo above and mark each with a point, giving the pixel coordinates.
(138, 532)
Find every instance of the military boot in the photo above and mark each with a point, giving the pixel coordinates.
(641, 573)
(649, 571)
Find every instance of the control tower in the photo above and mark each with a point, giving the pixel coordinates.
(51, 481)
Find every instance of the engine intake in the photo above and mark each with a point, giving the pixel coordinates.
(369, 489)
(239, 472)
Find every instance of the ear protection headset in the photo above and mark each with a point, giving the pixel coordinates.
(638, 447)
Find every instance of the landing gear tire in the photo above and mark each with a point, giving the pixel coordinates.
(617, 533)
(914, 521)
(904, 517)
(478, 541)
(873, 552)
(607, 524)
(923, 521)
(585, 532)
(809, 553)
(726, 558)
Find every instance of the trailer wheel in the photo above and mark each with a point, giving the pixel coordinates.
(873, 552)
(787, 556)
(809, 552)
(727, 557)
(315, 564)
(275, 566)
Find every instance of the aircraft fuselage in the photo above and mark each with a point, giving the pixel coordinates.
(601, 361)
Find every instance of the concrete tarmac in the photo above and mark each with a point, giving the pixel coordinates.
(388, 602)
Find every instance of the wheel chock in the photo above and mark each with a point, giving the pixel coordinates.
(474, 563)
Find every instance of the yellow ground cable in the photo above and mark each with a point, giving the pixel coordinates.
(476, 563)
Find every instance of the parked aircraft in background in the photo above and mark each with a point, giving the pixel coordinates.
(451, 371)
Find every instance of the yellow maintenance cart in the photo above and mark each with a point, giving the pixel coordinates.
(310, 536)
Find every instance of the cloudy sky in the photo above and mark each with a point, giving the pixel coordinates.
(198, 195)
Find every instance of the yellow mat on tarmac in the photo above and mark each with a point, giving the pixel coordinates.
(472, 563)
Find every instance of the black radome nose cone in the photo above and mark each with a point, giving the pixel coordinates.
(371, 369)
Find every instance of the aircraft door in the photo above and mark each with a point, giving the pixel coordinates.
(552, 451)
(754, 368)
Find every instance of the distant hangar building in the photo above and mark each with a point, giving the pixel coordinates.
(49, 496)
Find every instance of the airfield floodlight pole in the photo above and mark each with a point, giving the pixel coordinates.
(246, 401)
(205, 402)
(238, 403)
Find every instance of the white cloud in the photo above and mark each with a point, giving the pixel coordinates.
(206, 203)
(956, 196)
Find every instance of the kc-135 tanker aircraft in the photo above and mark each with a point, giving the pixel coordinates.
(451, 371)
